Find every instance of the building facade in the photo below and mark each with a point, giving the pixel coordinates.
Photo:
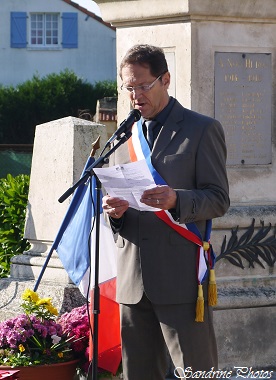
(40, 37)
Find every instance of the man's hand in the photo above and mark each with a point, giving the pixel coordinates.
(114, 207)
(163, 197)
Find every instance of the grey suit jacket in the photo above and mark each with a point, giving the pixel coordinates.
(190, 154)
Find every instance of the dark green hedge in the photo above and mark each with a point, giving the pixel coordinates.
(13, 203)
(40, 100)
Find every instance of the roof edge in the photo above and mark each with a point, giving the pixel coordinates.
(89, 13)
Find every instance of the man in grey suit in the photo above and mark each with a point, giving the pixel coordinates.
(157, 280)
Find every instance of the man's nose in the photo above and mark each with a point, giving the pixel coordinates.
(136, 93)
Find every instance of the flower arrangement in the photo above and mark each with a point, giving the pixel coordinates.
(38, 337)
(75, 324)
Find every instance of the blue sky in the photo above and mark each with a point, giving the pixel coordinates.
(90, 5)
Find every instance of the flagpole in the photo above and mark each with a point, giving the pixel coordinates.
(43, 268)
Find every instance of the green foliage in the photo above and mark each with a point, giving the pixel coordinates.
(40, 100)
(13, 202)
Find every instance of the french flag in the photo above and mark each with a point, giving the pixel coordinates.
(75, 245)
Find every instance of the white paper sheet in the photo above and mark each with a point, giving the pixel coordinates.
(128, 182)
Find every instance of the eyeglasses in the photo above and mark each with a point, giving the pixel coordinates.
(143, 88)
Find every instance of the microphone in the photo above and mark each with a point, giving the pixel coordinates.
(126, 125)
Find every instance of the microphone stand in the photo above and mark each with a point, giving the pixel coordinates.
(96, 304)
(96, 164)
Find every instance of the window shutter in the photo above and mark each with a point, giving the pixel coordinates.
(70, 30)
(18, 29)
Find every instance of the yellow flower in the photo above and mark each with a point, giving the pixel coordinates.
(60, 354)
(30, 295)
(43, 301)
(21, 348)
(52, 309)
(48, 305)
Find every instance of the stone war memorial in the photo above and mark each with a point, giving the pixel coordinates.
(221, 56)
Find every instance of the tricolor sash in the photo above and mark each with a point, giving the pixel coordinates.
(139, 150)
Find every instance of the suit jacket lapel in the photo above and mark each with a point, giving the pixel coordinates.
(168, 131)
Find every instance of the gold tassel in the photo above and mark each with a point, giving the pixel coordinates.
(200, 305)
(212, 289)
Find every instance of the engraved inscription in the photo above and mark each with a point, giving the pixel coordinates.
(243, 90)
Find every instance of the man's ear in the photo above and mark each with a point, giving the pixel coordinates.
(166, 79)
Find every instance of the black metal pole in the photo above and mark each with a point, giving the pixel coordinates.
(96, 305)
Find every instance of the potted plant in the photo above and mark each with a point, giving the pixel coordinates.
(35, 342)
(44, 346)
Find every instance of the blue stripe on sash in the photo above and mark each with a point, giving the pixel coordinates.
(147, 154)
(159, 180)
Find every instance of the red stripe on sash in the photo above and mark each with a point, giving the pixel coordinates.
(181, 230)
(132, 154)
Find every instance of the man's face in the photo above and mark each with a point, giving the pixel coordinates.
(151, 102)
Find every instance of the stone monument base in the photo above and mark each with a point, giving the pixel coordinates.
(64, 297)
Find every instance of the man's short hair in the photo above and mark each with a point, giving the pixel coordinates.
(149, 56)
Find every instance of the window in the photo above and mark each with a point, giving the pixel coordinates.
(44, 29)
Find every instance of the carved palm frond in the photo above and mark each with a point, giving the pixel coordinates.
(250, 247)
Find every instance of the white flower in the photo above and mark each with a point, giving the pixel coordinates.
(55, 339)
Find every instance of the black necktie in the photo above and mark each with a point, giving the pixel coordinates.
(150, 124)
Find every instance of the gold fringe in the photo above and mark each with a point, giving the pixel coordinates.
(206, 246)
(212, 289)
(200, 305)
